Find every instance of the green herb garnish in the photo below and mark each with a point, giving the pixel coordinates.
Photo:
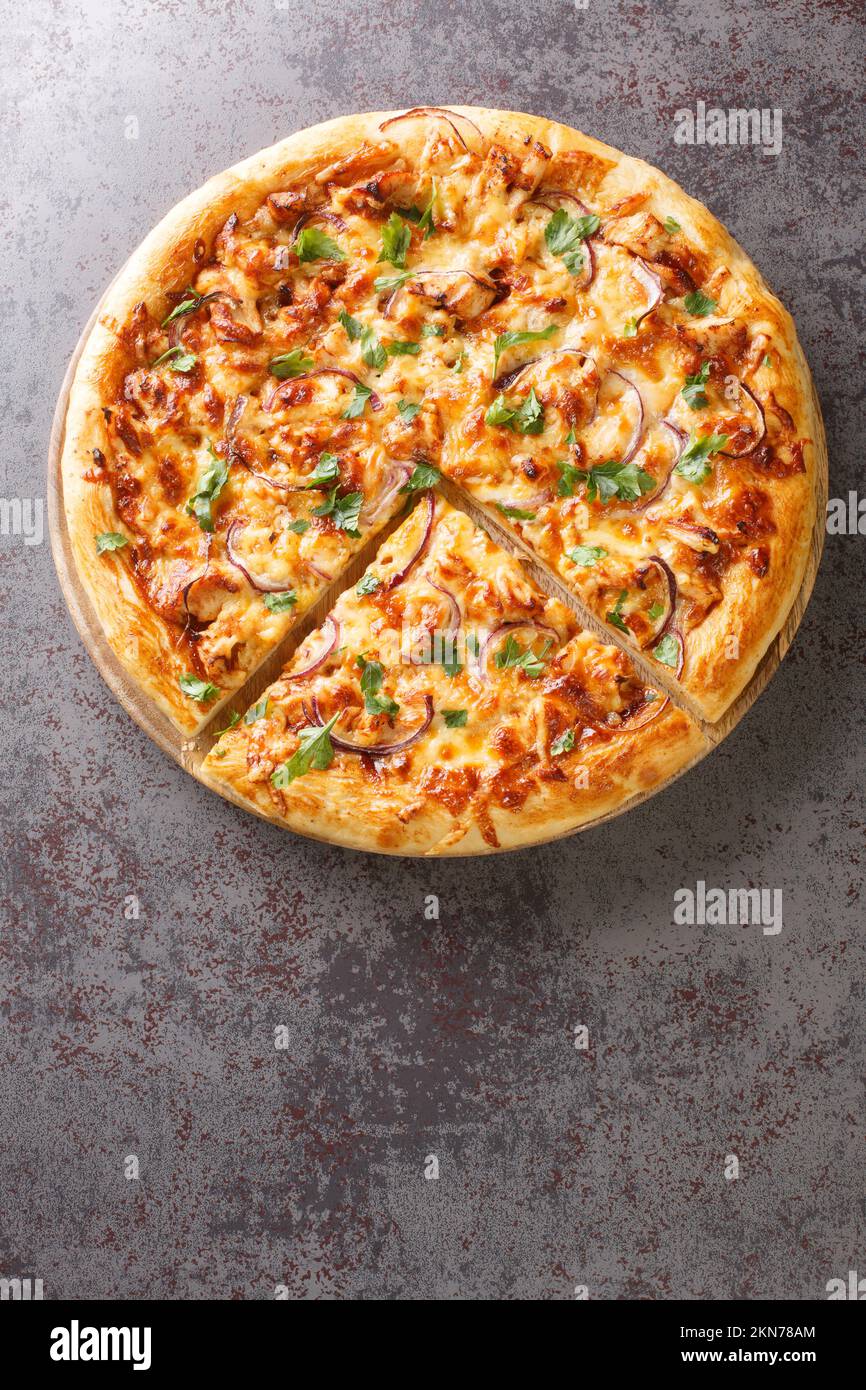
(315, 245)
(396, 237)
(360, 397)
(527, 418)
(699, 304)
(693, 392)
(587, 555)
(517, 339)
(178, 359)
(325, 471)
(515, 513)
(383, 283)
(694, 460)
(372, 676)
(343, 511)
(424, 475)
(612, 479)
(315, 751)
(512, 655)
(259, 711)
(668, 650)
(109, 540)
(197, 689)
(563, 744)
(565, 236)
(614, 617)
(281, 602)
(188, 305)
(210, 485)
(290, 364)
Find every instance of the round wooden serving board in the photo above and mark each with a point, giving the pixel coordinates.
(191, 752)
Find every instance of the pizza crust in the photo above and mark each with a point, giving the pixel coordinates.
(340, 807)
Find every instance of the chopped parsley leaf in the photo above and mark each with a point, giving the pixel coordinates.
(290, 364)
(196, 689)
(517, 339)
(694, 460)
(614, 617)
(109, 540)
(563, 744)
(699, 304)
(424, 475)
(315, 245)
(396, 236)
(587, 555)
(693, 392)
(282, 602)
(315, 751)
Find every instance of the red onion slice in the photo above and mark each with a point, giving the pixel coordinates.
(190, 616)
(560, 193)
(438, 112)
(455, 619)
(649, 281)
(693, 530)
(651, 709)
(510, 627)
(588, 274)
(264, 586)
(374, 750)
(761, 430)
(177, 326)
(284, 386)
(680, 439)
(319, 215)
(319, 573)
(670, 607)
(330, 643)
(397, 476)
(235, 456)
(506, 380)
(398, 578)
(637, 433)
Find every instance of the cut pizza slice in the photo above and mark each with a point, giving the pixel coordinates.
(448, 706)
(658, 456)
(220, 535)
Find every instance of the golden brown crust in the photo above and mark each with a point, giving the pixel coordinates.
(347, 812)
(344, 150)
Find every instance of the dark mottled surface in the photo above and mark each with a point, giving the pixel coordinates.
(155, 1036)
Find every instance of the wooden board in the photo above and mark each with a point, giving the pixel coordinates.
(191, 752)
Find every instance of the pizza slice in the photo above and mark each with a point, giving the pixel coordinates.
(635, 414)
(448, 706)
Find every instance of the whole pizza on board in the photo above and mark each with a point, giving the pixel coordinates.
(446, 339)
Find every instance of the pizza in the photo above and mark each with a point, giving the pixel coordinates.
(386, 311)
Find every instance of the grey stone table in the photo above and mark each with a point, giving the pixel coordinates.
(154, 937)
